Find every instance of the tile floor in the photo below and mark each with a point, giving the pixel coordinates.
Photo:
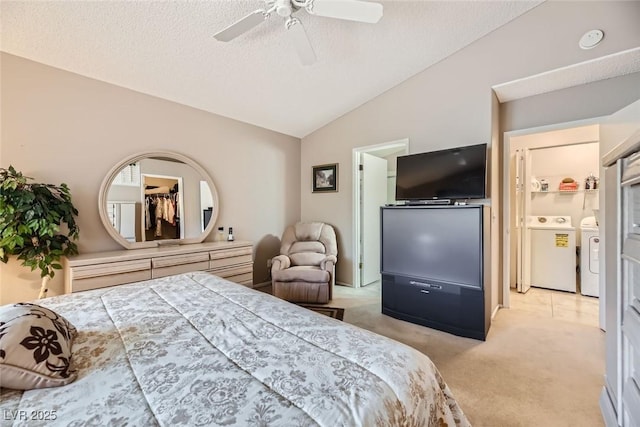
(557, 304)
(560, 305)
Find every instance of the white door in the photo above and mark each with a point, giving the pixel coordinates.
(523, 196)
(128, 221)
(374, 195)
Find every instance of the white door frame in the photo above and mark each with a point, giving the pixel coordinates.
(523, 175)
(357, 251)
(506, 186)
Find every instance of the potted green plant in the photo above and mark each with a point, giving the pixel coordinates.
(37, 223)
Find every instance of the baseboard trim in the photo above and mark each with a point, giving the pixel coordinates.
(344, 284)
(261, 285)
(495, 311)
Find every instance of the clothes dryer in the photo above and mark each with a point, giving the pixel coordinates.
(589, 257)
(553, 252)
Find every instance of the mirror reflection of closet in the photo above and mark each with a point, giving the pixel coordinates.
(123, 203)
(161, 216)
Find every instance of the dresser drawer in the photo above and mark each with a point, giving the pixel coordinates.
(241, 274)
(233, 260)
(234, 271)
(177, 264)
(107, 269)
(178, 269)
(110, 280)
(248, 283)
(222, 259)
(169, 261)
(242, 279)
(95, 276)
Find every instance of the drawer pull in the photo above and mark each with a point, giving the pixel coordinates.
(169, 261)
(424, 291)
(428, 285)
(230, 253)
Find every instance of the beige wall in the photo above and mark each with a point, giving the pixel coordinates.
(57, 126)
(596, 99)
(61, 127)
(452, 104)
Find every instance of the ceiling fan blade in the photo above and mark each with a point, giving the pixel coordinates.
(241, 26)
(300, 41)
(352, 10)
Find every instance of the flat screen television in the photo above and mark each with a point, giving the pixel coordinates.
(437, 243)
(454, 173)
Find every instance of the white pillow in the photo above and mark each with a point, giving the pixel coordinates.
(35, 347)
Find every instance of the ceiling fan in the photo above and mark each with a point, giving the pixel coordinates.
(352, 10)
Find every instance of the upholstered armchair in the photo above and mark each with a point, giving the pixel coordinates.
(305, 269)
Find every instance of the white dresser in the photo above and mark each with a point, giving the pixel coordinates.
(620, 399)
(231, 260)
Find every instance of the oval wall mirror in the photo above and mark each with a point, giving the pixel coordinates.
(158, 197)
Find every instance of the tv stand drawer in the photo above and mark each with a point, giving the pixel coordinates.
(445, 306)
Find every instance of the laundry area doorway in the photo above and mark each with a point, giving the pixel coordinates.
(552, 191)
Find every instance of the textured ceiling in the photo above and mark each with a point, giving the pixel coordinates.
(166, 49)
(617, 64)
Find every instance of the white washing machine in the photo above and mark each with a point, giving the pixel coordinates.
(553, 252)
(589, 257)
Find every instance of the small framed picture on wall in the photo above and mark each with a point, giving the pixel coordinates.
(325, 178)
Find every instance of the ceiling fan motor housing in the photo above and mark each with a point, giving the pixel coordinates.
(351, 10)
(284, 8)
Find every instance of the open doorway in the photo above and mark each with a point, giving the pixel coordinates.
(373, 186)
(550, 203)
(160, 218)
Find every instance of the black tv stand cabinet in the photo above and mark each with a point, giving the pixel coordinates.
(435, 269)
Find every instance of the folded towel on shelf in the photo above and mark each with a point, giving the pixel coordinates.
(568, 186)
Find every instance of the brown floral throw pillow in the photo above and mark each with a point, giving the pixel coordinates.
(35, 347)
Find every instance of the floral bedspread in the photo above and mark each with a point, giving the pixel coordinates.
(197, 350)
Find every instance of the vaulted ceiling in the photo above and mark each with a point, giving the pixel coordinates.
(166, 49)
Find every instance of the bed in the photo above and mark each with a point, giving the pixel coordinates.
(195, 349)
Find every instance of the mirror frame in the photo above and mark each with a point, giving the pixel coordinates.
(106, 184)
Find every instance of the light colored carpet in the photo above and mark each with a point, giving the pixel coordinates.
(531, 371)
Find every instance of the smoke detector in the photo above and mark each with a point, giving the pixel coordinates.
(591, 39)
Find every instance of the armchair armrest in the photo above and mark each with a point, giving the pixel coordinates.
(280, 262)
(328, 263)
